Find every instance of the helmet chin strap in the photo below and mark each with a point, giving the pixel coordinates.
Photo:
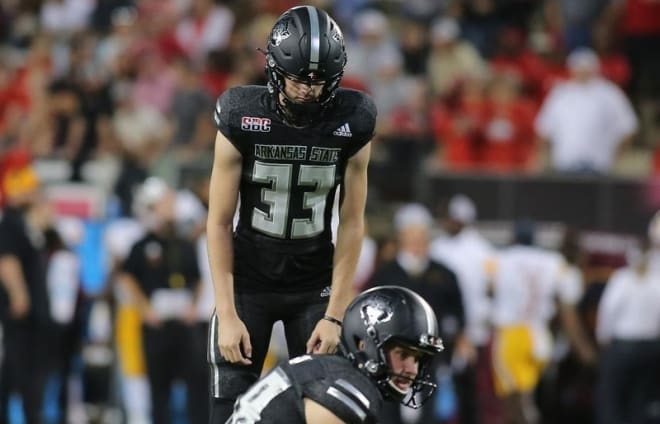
(300, 114)
(294, 113)
(390, 390)
(402, 392)
(408, 396)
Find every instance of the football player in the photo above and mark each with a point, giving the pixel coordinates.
(282, 150)
(388, 339)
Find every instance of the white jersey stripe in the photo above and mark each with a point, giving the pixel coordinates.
(354, 391)
(340, 396)
(213, 343)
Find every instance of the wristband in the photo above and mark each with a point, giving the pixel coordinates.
(332, 320)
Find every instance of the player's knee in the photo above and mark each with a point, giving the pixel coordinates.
(230, 383)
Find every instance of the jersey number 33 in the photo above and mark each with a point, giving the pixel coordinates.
(314, 182)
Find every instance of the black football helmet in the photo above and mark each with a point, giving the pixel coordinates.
(387, 316)
(305, 45)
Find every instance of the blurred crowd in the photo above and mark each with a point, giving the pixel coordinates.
(477, 85)
(110, 93)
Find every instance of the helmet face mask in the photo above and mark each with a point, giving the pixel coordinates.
(381, 319)
(305, 46)
(421, 386)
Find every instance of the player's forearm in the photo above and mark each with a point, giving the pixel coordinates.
(221, 258)
(11, 276)
(349, 233)
(223, 198)
(347, 253)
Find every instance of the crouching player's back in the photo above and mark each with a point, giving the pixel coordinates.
(389, 337)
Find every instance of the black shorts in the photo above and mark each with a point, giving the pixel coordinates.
(299, 312)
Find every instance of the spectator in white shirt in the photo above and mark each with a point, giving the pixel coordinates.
(468, 254)
(586, 120)
(208, 26)
(63, 18)
(628, 327)
(371, 47)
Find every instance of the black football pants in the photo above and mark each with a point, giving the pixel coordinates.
(173, 351)
(299, 312)
(23, 368)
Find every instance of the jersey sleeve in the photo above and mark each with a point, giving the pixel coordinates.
(349, 396)
(365, 119)
(225, 117)
(8, 235)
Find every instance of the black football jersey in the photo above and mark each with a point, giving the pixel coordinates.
(330, 380)
(288, 183)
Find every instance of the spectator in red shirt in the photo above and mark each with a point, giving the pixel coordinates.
(639, 23)
(410, 119)
(457, 125)
(407, 138)
(13, 101)
(508, 131)
(207, 26)
(513, 56)
(160, 34)
(553, 68)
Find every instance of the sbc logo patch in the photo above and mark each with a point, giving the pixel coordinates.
(251, 123)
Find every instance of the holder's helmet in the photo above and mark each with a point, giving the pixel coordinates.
(305, 45)
(387, 316)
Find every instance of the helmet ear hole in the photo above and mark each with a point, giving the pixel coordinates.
(358, 342)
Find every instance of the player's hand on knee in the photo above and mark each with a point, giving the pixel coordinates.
(234, 340)
(324, 338)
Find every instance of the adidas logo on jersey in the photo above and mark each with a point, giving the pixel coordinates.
(325, 292)
(343, 131)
